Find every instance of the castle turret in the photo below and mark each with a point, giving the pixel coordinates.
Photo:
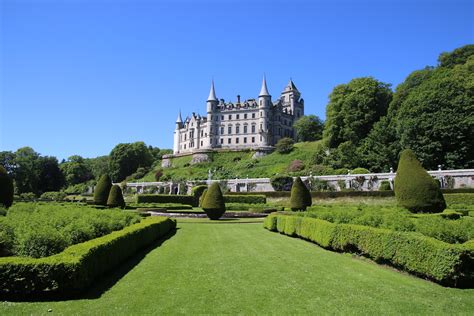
(264, 103)
(212, 99)
(179, 125)
(212, 103)
(291, 96)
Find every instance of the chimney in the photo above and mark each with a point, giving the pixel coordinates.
(238, 98)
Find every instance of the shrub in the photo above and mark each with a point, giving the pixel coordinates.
(165, 198)
(213, 203)
(300, 196)
(414, 187)
(115, 197)
(197, 192)
(102, 190)
(359, 171)
(203, 195)
(281, 182)
(6, 188)
(158, 174)
(385, 186)
(76, 268)
(321, 185)
(284, 145)
(249, 199)
(441, 262)
(53, 196)
(296, 165)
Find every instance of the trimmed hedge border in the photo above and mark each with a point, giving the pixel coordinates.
(447, 264)
(193, 201)
(76, 268)
(245, 199)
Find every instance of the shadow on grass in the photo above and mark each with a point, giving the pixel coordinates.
(101, 284)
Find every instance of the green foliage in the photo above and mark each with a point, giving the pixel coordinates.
(213, 203)
(247, 198)
(42, 230)
(345, 157)
(321, 185)
(308, 128)
(300, 196)
(102, 190)
(284, 145)
(127, 158)
(441, 262)
(53, 196)
(115, 198)
(414, 188)
(296, 165)
(281, 182)
(6, 188)
(360, 171)
(78, 266)
(76, 170)
(197, 192)
(166, 198)
(353, 109)
(385, 186)
(459, 56)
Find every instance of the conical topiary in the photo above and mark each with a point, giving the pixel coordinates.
(6, 188)
(102, 189)
(213, 202)
(300, 196)
(115, 197)
(414, 188)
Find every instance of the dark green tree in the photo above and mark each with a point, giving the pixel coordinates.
(284, 145)
(51, 178)
(27, 170)
(457, 57)
(6, 189)
(300, 196)
(213, 203)
(102, 190)
(414, 188)
(99, 166)
(76, 170)
(308, 128)
(125, 159)
(353, 109)
(115, 198)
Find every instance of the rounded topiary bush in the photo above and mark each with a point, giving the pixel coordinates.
(300, 196)
(385, 186)
(213, 202)
(102, 190)
(360, 171)
(115, 197)
(6, 188)
(281, 182)
(197, 192)
(414, 188)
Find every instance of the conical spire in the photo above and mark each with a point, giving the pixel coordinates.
(212, 93)
(264, 90)
(291, 86)
(179, 119)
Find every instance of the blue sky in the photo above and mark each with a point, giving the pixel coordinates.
(80, 76)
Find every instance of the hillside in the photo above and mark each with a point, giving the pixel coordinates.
(227, 165)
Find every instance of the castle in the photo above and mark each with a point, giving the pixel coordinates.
(251, 124)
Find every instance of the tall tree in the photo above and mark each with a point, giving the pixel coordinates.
(76, 170)
(51, 178)
(309, 128)
(125, 159)
(28, 170)
(354, 108)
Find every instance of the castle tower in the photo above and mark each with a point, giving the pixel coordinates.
(291, 96)
(179, 125)
(264, 103)
(212, 103)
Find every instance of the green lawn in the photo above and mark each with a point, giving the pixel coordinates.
(236, 267)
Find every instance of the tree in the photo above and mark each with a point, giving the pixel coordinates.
(27, 171)
(102, 190)
(308, 128)
(414, 188)
(213, 202)
(457, 57)
(284, 145)
(51, 178)
(353, 109)
(6, 188)
(125, 159)
(115, 198)
(76, 170)
(98, 166)
(300, 196)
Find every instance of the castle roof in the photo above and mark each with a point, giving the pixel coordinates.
(212, 93)
(179, 119)
(264, 89)
(290, 87)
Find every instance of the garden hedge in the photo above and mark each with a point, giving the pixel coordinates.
(447, 264)
(76, 268)
(166, 198)
(246, 199)
(115, 198)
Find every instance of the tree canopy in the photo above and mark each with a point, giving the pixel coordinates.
(308, 128)
(125, 159)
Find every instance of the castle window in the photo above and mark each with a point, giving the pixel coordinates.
(261, 138)
(222, 140)
(201, 142)
(245, 129)
(261, 127)
(229, 129)
(253, 115)
(253, 139)
(229, 140)
(230, 116)
(222, 130)
(202, 133)
(253, 128)
(238, 116)
(237, 129)
(245, 140)
(237, 140)
(245, 116)
(222, 117)
(261, 113)
(260, 102)
(185, 135)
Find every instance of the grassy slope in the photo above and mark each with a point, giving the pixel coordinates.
(229, 267)
(239, 164)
